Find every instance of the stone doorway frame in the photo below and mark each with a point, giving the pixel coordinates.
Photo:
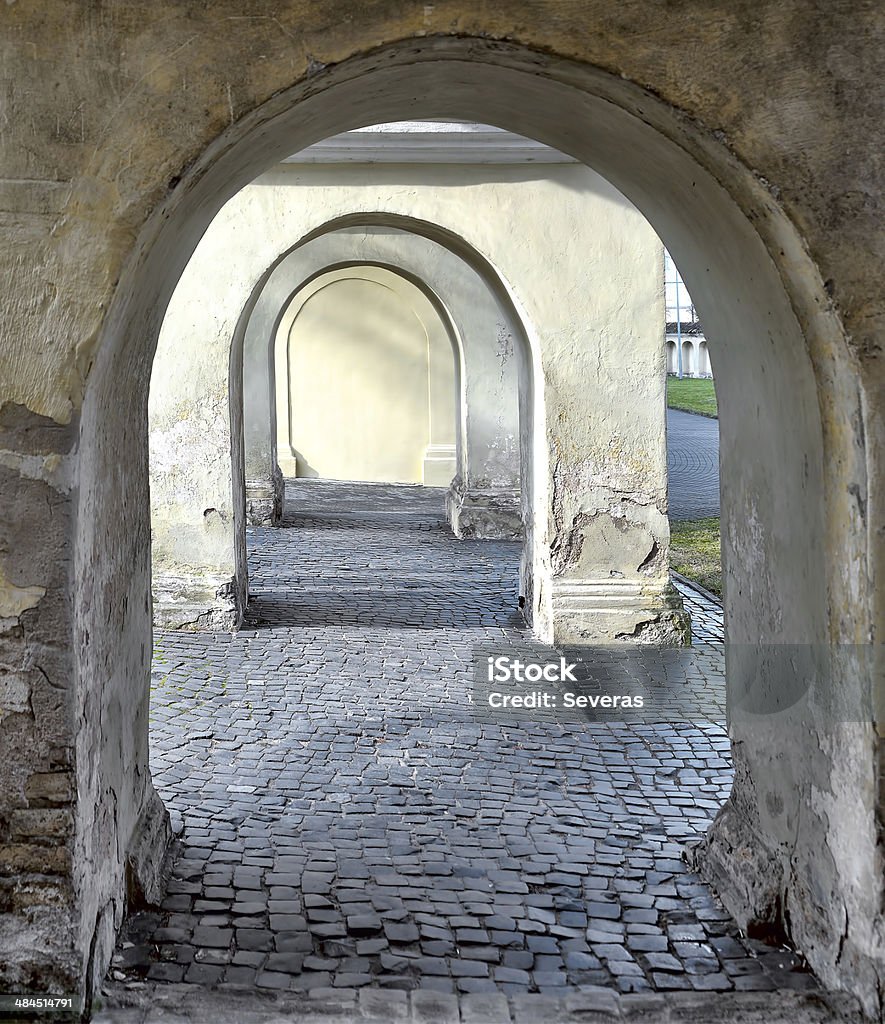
(798, 842)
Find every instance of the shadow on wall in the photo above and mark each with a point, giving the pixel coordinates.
(304, 467)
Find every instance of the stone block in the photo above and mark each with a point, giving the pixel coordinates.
(488, 514)
(15, 692)
(30, 858)
(48, 789)
(41, 822)
(485, 1008)
(434, 1008)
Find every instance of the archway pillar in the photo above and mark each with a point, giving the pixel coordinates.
(440, 464)
(484, 513)
(264, 498)
(443, 380)
(199, 577)
(38, 699)
(601, 562)
(265, 486)
(613, 610)
(483, 500)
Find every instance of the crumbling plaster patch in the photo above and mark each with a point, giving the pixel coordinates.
(14, 599)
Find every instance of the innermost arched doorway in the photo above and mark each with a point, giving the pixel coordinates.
(365, 382)
(704, 369)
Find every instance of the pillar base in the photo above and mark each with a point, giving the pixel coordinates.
(440, 465)
(198, 604)
(488, 514)
(745, 871)
(264, 500)
(610, 611)
(146, 859)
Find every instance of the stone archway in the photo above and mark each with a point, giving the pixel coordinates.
(204, 584)
(614, 585)
(671, 357)
(797, 581)
(703, 360)
(481, 321)
(688, 360)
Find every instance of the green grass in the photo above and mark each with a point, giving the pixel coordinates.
(693, 395)
(695, 552)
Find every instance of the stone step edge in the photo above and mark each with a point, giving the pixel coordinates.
(143, 1003)
(696, 587)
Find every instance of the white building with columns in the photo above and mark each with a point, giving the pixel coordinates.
(686, 344)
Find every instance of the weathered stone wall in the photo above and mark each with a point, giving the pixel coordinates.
(125, 130)
(38, 794)
(198, 567)
(590, 282)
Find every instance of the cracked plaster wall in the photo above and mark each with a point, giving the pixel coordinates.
(590, 283)
(125, 128)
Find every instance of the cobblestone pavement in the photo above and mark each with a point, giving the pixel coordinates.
(346, 823)
(707, 627)
(692, 465)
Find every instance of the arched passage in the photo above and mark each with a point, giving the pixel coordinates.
(480, 316)
(732, 241)
(492, 336)
(688, 361)
(703, 360)
(607, 578)
(671, 357)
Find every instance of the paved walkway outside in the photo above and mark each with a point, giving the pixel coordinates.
(350, 831)
(692, 465)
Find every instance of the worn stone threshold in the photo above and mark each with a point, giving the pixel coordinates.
(189, 1004)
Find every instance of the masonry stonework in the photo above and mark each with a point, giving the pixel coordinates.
(127, 132)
